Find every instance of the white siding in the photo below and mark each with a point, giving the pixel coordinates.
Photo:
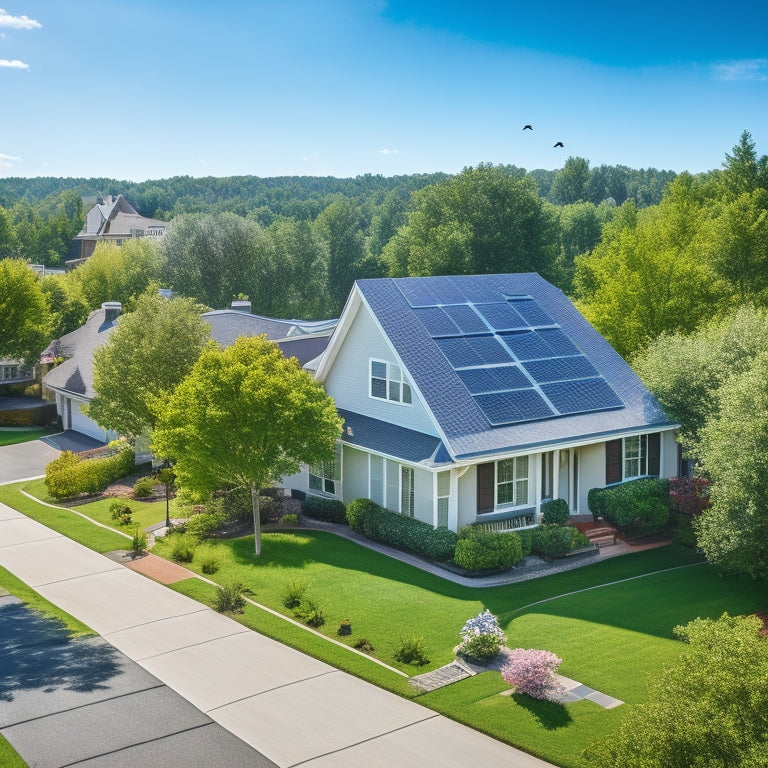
(591, 472)
(468, 497)
(348, 382)
(81, 423)
(424, 508)
(298, 482)
(669, 449)
(354, 480)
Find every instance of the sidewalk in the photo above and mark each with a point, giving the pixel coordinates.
(293, 709)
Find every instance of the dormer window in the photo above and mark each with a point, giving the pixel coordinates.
(389, 383)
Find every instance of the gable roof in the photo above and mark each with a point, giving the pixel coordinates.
(504, 362)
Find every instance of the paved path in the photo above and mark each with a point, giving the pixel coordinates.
(291, 708)
(81, 702)
(24, 460)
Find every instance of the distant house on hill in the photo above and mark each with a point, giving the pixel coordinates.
(113, 220)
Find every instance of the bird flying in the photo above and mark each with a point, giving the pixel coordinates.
(527, 127)
(559, 144)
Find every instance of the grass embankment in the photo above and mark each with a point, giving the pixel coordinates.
(14, 435)
(611, 622)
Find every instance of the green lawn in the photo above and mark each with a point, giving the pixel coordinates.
(13, 435)
(612, 637)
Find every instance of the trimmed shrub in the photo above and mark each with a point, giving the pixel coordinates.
(412, 651)
(481, 637)
(70, 475)
(319, 508)
(209, 565)
(642, 503)
(270, 508)
(120, 512)
(555, 512)
(552, 541)
(526, 540)
(289, 519)
(479, 550)
(310, 612)
(236, 504)
(401, 532)
(228, 598)
(534, 672)
(144, 487)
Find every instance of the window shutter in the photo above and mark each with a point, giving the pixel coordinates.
(654, 454)
(613, 450)
(485, 489)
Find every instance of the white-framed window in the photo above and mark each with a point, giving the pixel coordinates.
(512, 481)
(326, 476)
(443, 496)
(388, 382)
(635, 456)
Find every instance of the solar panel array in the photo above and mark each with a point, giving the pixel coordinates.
(516, 362)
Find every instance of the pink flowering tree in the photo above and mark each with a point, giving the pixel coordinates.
(534, 672)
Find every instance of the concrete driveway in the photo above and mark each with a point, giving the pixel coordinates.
(23, 460)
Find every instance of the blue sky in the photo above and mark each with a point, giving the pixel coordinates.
(146, 90)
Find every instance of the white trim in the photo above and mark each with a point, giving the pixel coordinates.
(404, 381)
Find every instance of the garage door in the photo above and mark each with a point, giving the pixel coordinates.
(81, 423)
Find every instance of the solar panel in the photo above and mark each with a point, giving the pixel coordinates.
(447, 291)
(510, 407)
(581, 396)
(436, 321)
(531, 312)
(417, 292)
(560, 369)
(473, 351)
(527, 345)
(466, 319)
(501, 316)
(558, 342)
(489, 350)
(496, 379)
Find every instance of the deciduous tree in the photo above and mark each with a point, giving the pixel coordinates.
(245, 416)
(25, 321)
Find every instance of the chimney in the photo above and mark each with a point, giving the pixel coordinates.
(112, 310)
(241, 305)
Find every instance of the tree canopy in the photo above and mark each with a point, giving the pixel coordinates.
(146, 356)
(709, 709)
(245, 416)
(25, 320)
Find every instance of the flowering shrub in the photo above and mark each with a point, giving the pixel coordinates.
(689, 495)
(481, 637)
(533, 672)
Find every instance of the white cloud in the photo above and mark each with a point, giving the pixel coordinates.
(7, 162)
(744, 69)
(17, 22)
(14, 64)
(389, 151)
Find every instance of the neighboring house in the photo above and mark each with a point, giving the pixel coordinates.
(475, 398)
(14, 371)
(114, 220)
(71, 382)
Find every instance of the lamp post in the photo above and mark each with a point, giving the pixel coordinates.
(166, 476)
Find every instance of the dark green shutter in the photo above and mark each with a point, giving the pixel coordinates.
(613, 458)
(485, 488)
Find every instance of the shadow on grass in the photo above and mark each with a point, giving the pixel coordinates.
(550, 714)
(37, 653)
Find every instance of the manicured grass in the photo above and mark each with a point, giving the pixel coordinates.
(611, 622)
(14, 435)
(144, 513)
(9, 757)
(64, 521)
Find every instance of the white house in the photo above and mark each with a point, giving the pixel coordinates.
(475, 398)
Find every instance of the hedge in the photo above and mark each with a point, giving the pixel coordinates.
(642, 503)
(481, 550)
(406, 533)
(70, 475)
(39, 416)
(555, 541)
(555, 512)
(319, 508)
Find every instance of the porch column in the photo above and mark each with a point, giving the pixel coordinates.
(453, 499)
(539, 459)
(572, 503)
(556, 474)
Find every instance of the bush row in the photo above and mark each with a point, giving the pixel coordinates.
(42, 416)
(479, 549)
(319, 508)
(642, 503)
(406, 533)
(555, 541)
(69, 475)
